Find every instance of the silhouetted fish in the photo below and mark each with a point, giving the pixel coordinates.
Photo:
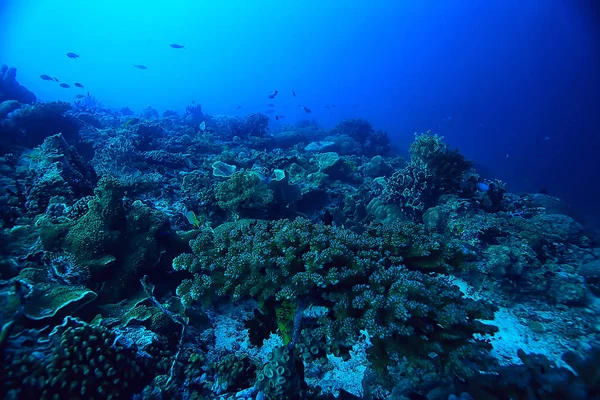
(278, 117)
(273, 94)
(306, 109)
(72, 55)
(79, 85)
(48, 78)
(294, 93)
(140, 66)
(270, 105)
(64, 85)
(177, 46)
(80, 96)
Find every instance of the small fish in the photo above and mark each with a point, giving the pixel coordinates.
(72, 55)
(273, 94)
(65, 85)
(80, 96)
(482, 187)
(507, 154)
(326, 106)
(278, 117)
(294, 93)
(202, 126)
(270, 105)
(88, 94)
(333, 105)
(238, 107)
(306, 109)
(48, 78)
(79, 85)
(193, 102)
(140, 66)
(192, 218)
(177, 46)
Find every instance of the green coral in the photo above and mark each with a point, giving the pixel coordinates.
(232, 373)
(46, 298)
(243, 191)
(433, 170)
(279, 378)
(285, 319)
(115, 241)
(82, 360)
(389, 281)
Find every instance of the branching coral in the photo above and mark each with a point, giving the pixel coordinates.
(433, 170)
(243, 191)
(387, 281)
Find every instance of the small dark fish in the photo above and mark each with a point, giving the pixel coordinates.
(270, 105)
(64, 85)
(47, 78)
(177, 46)
(193, 102)
(306, 109)
(333, 105)
(79, 85)
(278, 117)
(88, 94)
(326, 106)
(327, 218)
(238, 107)
(72, 55)
(80, 96)
(273, 94)
(140, 66)
(294, 93)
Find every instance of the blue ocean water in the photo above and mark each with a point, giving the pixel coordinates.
(295, 254)
(494, 77)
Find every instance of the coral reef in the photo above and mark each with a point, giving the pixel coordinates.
(192, 256)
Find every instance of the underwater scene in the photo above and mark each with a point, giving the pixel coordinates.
(300, 200)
